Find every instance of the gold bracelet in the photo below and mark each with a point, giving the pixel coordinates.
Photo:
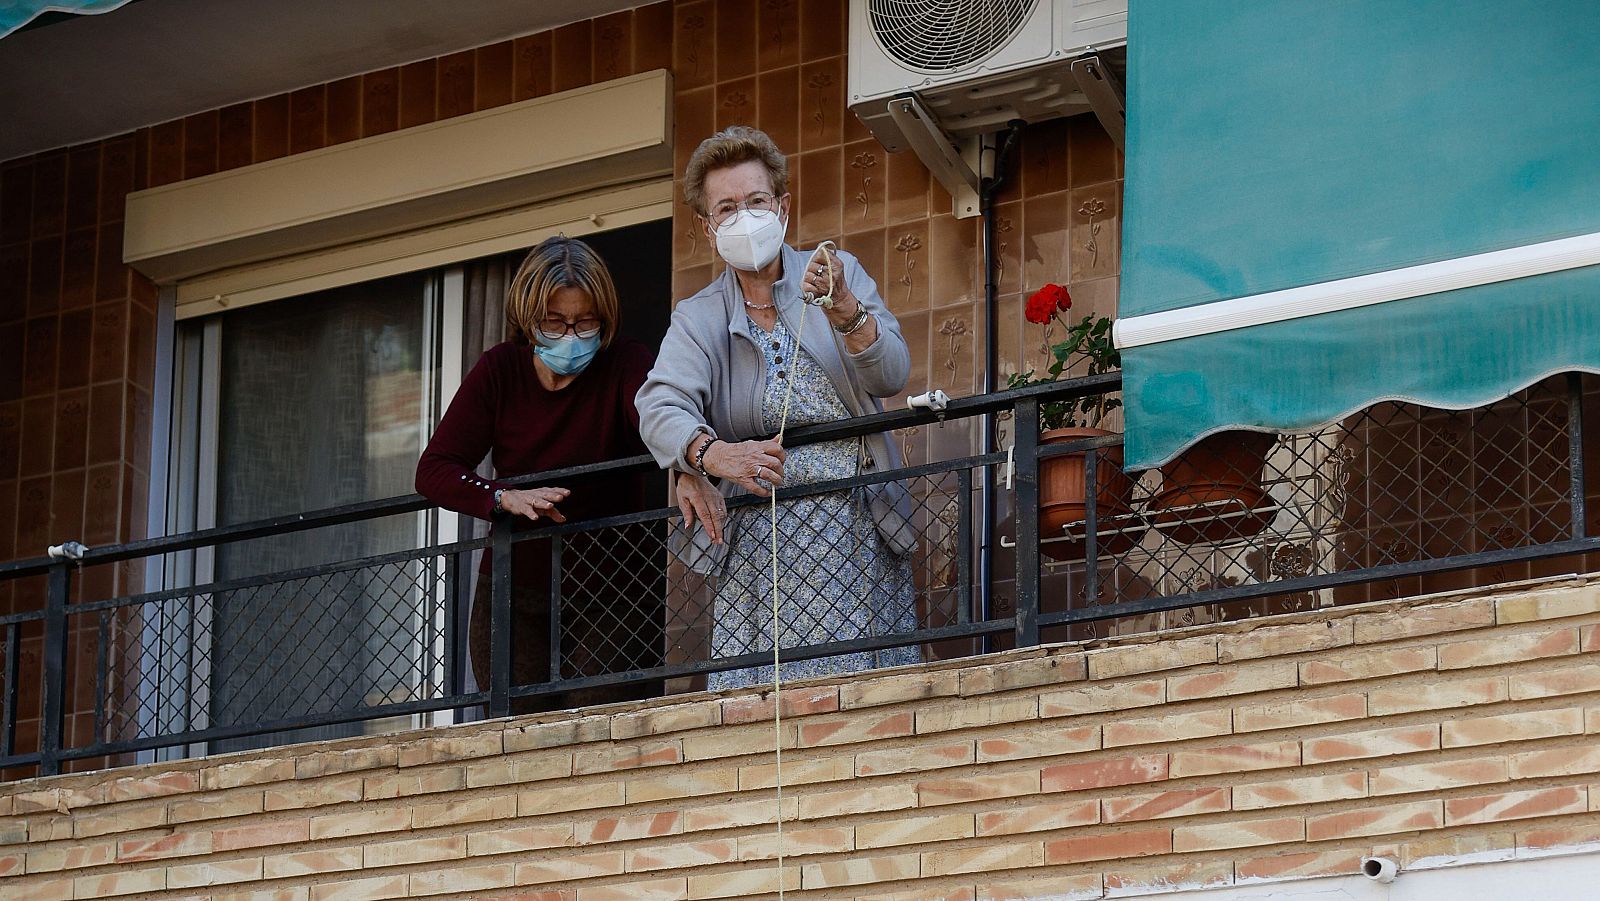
(856, 321)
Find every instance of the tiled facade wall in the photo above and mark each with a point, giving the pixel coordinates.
(1281, 748)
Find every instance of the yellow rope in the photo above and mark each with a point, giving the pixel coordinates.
(777, 677)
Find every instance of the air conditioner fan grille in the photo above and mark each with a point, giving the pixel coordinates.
(945, 35)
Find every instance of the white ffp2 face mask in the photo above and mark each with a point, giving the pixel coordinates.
(751, 239)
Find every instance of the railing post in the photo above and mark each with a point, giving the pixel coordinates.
(1575, 489)
(1026, 516)
(500, 618)
(55, 667)
(555, 608)
(458, 616)
(1091, 526)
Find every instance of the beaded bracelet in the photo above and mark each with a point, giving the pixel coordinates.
(700, 456)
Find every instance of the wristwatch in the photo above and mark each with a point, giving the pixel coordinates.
(498, 493)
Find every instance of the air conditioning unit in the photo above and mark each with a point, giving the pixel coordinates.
(933, 76)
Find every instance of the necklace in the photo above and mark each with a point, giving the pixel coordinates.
(760, 306)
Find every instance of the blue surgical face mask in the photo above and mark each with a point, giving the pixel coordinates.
(568, 354)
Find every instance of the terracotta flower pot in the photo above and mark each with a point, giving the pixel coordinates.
(1212, 492)
(1062, 504)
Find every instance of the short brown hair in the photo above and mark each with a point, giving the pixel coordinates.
(559, 262)
(729, 147)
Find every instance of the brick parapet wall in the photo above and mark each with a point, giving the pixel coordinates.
(1278, 748)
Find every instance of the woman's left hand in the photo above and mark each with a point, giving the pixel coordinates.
(816, 283)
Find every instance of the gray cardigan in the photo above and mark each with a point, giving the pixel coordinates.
(710, 372)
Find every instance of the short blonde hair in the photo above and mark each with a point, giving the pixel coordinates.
(729, 147)
(559, 262)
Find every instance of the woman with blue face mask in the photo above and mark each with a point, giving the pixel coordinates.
(559, 393)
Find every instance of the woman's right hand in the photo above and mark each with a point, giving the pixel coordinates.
(746, 461)
(534, 502)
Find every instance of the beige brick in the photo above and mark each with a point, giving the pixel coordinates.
(758, 708)
(691, 854)
(797, 772)
(1128, 882)
(1407, 817)
(1160, 805)
(1589, 638)
(737, 741)
(15, 831)
(318, 793)
(756, 812)
(618, 829)
(1298, 866)
(1301, 790)
(1448, 694)
(1571, 681)
(451, 746)
(49, 890)
(112, 822)
(1546, 838)
(1057, 813)
(1299, 712)
(860, 871)
(930, 893)
(1108, 846)
(1446, 848)
(797, 842)
(1128, 660)
(575, 731)
(216, 807)
(12, 864)
(214, 872)
(471, 810)
(464, 879)
(134, 850)
(935, 792)
(562, 798)
(261, 835)
(124, 882)
(1549, 603)
(1508, 649)
(661, 720)
(1108, 698)
(1069, 777)
(683, 785)
(855, 727)
(874, 692)
(1372, 743)
(1489, 730)
(1433, 777)
(1591, 719)
(86, 854)
(915, 831)
(139, 788)
(1052, 670)
(1437, 619)
(1368, 663)
(1168, 727)
(47, 800)
(371, 889)
(1519, 805)
(1235, 680)
(986, 859)
(329, 763)
(247, 772)
(1082, 887)
(519, 768)
(1235, 759)
(743, 883)
(972, 713)
(634, 755)
(1278, 641)
(1045, 742)
(308, 863)
(290, 893)
(1556, 762)
(672, 888)
(569, 867)
(522, 838)
(410, 783)
(416, 850)
(914, 758)
(879, 798)
(54, 828)
(360, 822)
(1238, 834)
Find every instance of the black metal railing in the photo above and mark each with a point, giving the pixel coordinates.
(1394, 501)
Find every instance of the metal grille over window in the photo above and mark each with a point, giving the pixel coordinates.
(944, 35)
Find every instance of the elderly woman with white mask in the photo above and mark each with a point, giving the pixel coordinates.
(738, 352)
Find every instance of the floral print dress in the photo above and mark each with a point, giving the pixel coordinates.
(837, 580)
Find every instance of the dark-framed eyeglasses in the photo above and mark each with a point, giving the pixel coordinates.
(553, 327)
(755, 200)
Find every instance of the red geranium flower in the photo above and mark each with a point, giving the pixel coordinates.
(1045, 302)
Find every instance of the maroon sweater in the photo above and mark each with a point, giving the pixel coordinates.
(502, 406)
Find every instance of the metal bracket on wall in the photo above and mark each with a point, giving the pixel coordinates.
(951, 164)
(1100, 85)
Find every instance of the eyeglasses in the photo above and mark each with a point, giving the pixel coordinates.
(757, 200)
(554, 328)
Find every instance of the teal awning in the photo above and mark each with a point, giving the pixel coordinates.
(1332, 203)
(16, 13)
